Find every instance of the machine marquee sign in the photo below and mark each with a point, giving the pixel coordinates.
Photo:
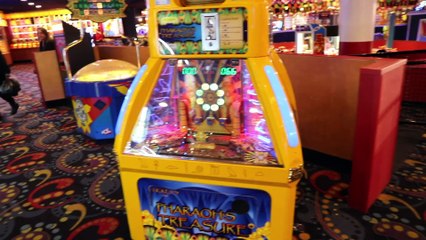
(97, 10)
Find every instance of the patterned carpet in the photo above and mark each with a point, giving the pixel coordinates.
(57, 184)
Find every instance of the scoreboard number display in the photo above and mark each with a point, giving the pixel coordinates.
(228, 71)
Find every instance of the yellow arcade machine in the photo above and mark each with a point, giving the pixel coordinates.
(207, 143)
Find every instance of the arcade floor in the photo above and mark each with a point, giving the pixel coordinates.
(57, 184)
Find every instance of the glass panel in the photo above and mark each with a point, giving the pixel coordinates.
(204, 109)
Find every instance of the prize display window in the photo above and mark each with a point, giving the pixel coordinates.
(206, 109)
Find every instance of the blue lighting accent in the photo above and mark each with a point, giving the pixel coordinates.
(391, 26)
(129, 95)
(284, 105)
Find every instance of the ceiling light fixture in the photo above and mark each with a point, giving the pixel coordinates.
(38, 6)
(23, 0)
(30, 3)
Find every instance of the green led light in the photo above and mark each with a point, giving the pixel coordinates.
(228, 71)
(189, 70)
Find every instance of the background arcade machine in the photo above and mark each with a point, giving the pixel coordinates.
(206, 139)
(97, 92)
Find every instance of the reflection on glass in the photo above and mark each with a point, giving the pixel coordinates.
(204, 109)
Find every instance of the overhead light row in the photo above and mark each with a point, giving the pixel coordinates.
(32, 4)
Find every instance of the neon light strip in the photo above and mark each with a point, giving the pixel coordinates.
(129, 95)
(285, 110)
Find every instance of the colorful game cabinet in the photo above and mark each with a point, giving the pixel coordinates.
(207, 142)
(97, 92)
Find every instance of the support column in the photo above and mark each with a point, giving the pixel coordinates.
(356, 26)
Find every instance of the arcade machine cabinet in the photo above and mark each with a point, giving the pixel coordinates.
(97, 92)
(207, 142)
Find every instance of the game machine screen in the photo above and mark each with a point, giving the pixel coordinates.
(207, 142)
(206, 109)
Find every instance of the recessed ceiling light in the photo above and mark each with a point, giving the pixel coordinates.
(38, 6)
(30, 3)
(23, 0)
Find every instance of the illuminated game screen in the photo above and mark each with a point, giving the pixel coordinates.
(204, 109)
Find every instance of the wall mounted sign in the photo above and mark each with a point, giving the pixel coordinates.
(97, 10)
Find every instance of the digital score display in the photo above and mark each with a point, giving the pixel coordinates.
(224, 71)
(228, 71)
(189, 70)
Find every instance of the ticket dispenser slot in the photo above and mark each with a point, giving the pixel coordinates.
(210, 31)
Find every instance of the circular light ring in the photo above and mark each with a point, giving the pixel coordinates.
(206, 107)
(214, 107)
(220, 93)
(205, 86)
(220, 101)
(199, 92)
(199, 101)
(214, 87)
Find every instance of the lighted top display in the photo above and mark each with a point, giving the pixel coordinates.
(203, 31)
(97, 10)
